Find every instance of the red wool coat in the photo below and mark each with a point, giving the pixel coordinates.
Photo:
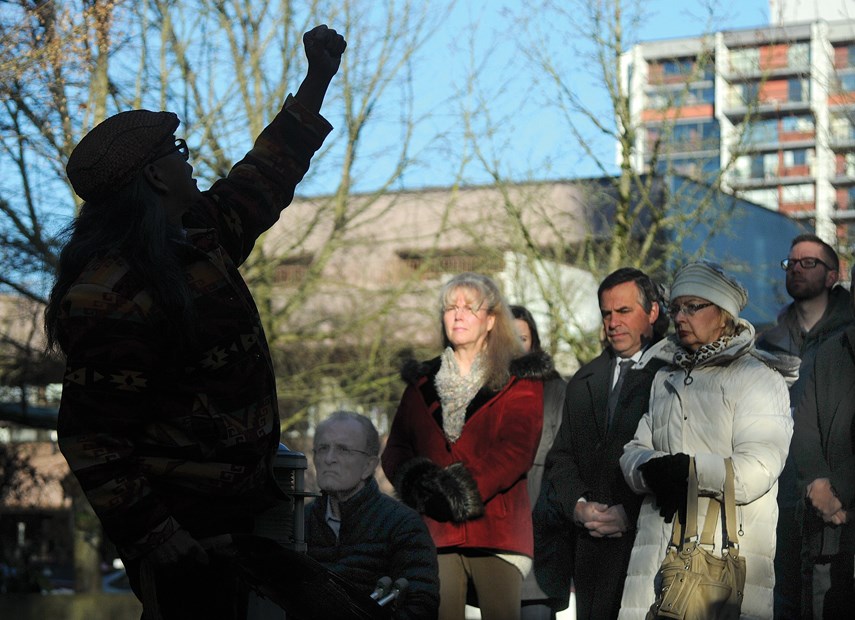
(497, 448)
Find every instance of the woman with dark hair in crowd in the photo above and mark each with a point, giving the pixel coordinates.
(462, 441)
(534, 601)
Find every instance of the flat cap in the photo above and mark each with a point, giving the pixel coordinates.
(116, 149)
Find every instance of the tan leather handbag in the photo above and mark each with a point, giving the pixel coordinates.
(693, 582)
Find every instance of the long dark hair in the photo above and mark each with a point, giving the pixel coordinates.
(522, 313)
(133, 224)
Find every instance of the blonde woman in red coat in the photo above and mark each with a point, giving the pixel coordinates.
(464, 437)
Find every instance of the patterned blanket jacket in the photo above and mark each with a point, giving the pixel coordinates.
(162, 436)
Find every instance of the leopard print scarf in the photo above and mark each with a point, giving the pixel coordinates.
(688, 360)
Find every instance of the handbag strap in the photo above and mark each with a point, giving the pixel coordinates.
(690, 528)
(731, 540)
(730, 505)
(710, 522)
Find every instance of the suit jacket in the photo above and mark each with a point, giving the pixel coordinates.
(585, 462)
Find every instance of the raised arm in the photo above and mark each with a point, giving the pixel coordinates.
(324, 48)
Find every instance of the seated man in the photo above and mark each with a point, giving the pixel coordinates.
(358, 532)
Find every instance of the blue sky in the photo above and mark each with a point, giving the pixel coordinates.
(531, 140)
(673, 19)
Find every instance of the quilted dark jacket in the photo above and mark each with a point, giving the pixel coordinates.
(379, 537)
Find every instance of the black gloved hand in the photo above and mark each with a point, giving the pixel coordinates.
(438, 508)
(667, 476)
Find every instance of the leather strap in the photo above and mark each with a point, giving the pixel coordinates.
(730, 506)
(690, 528)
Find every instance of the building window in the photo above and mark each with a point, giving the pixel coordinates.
(741, 168)
(658, 100)
(772, 130)
(760, 132)
(850, 55)
(688, 68)
(292, 270)
(694, 167)
(847, 82)
(707, 95)
(439, 263)
(664, 98)
(745, 60)
(695, 136)
(798, 56)
(770, 165)
(797, 194)
(749, 93)
(796, 157)
(842, 128)
(759, 167)
(756, 167)
(765, 197)
(846, 166)
(797, 124)
(796, 90)
(704, 94)
(672, 67)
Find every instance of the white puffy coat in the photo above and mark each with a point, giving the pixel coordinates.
(733, 405)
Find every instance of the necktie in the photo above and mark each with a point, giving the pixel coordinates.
(613, 395)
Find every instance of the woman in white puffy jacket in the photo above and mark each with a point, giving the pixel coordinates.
(717, 399)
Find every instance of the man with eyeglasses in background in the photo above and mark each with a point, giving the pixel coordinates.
(169, 417)
(358, 532)
(823, 448)
(820, 309)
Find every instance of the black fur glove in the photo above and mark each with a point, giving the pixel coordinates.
(459, 491)
(438, 508)
(667, 476)
(415, 482)
(443, 494)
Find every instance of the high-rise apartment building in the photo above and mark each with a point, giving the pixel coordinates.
(770, 110)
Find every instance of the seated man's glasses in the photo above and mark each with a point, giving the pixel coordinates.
(325, 448)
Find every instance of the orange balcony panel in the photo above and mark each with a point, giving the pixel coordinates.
(796, 136)
(774, 91)
(774, 57)
(841, 57)
(704, 110)
(796, 207)
(796, 171)
(841, 99)
(663, 80)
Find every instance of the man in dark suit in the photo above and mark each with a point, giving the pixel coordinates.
(585, 492)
